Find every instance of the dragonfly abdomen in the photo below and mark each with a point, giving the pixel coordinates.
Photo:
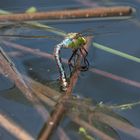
(74, 42)
(63, 78)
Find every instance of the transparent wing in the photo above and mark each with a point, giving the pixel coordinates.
(32, 25)
(30, 36)
(29, 30)
(91, 32)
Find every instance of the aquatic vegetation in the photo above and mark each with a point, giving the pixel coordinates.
(94, 120)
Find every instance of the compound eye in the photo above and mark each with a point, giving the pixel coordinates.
(85, 41)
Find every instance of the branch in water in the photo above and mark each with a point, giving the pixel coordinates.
(70, 14)
(13, 128)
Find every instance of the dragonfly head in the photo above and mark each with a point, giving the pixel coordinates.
(77, 40)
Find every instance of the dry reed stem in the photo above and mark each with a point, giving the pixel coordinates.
(13, 128)
(70, 14)
(62, 135)
(37, 87)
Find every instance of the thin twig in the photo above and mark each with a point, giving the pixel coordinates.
(62, 135)
(115, 77)
(70, 14)
(44, 90)
(30, 50)
(13, 128)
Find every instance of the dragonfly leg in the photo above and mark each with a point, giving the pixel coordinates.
(85, 58)
(84, 54)
(85, 51)
(71, 65)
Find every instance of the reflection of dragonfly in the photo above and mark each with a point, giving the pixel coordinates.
(75, 41)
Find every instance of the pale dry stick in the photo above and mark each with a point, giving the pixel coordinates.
(44, 90)
(62, 135)
(44, 98)
(70, 14)
(15, 54)
(13, 128)
(115, 123)
(32, 51)
(116, 77)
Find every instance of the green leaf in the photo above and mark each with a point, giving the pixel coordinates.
(116, 52)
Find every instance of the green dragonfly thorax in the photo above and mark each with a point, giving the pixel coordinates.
(74, 41)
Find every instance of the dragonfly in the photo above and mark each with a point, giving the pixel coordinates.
(74, 41)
